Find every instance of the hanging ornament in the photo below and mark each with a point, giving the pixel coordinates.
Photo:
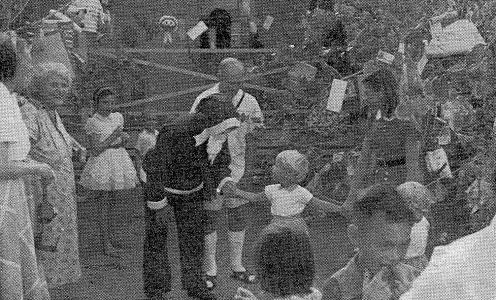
(169, 25)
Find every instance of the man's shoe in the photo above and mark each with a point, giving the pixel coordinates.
(202, 294)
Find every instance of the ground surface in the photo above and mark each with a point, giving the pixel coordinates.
(120, 278)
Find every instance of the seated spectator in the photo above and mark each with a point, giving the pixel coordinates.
(285, 266)
(381, 226)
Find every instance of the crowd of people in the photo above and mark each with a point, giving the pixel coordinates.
(194, 166)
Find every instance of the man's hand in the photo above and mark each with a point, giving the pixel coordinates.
(378, 287)
(403, 276)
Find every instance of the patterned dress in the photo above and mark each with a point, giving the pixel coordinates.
(57, 248)
(19, 275)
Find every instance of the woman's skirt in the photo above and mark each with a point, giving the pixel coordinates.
(111, 170)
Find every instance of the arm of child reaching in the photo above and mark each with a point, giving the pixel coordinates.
(330, 206)
(252, 197)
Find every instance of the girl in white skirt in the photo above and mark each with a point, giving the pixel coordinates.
(109, 168)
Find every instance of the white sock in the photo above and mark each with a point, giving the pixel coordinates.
(236, 241)
(209, 263)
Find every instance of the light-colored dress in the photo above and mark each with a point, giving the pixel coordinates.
(58, 250)
(19, 275)
(287, 206)
(113, 169)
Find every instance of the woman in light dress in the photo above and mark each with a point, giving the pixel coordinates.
(57, 243)
(19, 275)
(109, 168)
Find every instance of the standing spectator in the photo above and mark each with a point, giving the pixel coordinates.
(109, 168)
(50, 143)
(231, 73)
(19, 275)
(391, 148)
(180, 172)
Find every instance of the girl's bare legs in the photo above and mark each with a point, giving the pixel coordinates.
(114, 213)
(104, 222)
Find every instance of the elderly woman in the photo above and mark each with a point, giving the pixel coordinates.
(19, 276)
(57, 243)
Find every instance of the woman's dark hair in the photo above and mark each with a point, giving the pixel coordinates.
(220, 19)
(384, 81)
(8, 61)
(99, 94)
(285, 262)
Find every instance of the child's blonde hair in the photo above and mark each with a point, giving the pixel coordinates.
(293, 165)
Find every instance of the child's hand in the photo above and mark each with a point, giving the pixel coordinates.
(403, 277)
(229, 189)
(244, 294)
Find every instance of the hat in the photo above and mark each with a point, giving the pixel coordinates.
(293, 165)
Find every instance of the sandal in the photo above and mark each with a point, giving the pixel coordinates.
(244, 277)
(210, 282)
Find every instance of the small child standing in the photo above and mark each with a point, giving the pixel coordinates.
(285, 266)
(109, 168)
(288, 199)
(146, 141)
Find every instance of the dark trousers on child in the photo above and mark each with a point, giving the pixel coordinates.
(190, 221)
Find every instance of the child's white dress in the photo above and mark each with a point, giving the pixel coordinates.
(113, 169)
(287, 206)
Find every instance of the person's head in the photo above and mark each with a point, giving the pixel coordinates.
(382, 91)
(51, 84)
(381, 226)
(291, 167)
(104, 101)
(221, 116)
(230, 73)
(285, 262)
(417, 196)
(8, 59)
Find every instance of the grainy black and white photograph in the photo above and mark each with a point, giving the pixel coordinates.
(247, 149)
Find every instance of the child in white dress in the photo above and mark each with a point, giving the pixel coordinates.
(287, 198)
(109, 167)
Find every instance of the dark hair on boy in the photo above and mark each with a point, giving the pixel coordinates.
(285, 262)
(8, 61)
(383, 198)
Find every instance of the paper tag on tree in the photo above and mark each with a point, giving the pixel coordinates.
(385, 57)
(437, 161)
(337, 157)
(195, 31)
(422, 63)
(253, 27)
(336, 95)
(245, 7)
(268, 22)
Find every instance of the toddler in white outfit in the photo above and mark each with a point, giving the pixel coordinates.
(287, 198)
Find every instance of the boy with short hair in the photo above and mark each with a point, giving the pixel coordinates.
(380, 230)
